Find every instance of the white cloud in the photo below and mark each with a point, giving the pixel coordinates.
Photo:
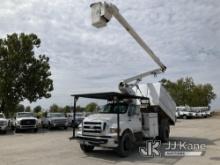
(184, 34)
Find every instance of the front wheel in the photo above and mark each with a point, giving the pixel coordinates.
(4, 131)
(86, 148)
(125, 145)
(17, 130)
(49, 126)
(35, 130)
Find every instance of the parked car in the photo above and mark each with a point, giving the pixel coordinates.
(202, 114)
(54, 120)
(184, 114)
(25, 121)
(4, 123)
(79, 118)
(209, 113)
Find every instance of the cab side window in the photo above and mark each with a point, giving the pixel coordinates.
(133, 110)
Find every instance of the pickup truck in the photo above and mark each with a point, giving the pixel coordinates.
(54, 120)
(3, 123)
(25, 121)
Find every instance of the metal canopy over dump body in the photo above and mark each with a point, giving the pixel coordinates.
(109, 96)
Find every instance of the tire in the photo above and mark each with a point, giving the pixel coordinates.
(35, 130)
(125, 144)
(42, 125)
(12, 128)
(17, 130)
(86, 148)
(49, 126)
(184, 117)
(65, 127)
(4, 131)
(164, 131)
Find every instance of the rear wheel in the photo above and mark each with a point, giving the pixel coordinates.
(184, 117)
(164, 130)
(86, 148)
(125, 145)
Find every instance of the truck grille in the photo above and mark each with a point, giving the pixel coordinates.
(92, 127)
(60, 121)
(28, 122)
(1, 123)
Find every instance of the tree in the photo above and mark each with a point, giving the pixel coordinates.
(28, 109)
(54, 108)
(37, 109)
(91, 107)
(19, 108)
(186, 92)
(23, 74)
(79, 109)
(67, 109)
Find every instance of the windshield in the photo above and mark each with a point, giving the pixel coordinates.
(25, 114)
(79, 115)
(56, 115)
(113, 108)
(2, 116)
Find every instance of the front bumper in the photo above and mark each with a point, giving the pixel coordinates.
(56, 125)
(101, 141)
(26, 127)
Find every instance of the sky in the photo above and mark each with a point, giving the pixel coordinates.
(184, 34)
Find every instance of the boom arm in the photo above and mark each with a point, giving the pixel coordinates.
(101, 15)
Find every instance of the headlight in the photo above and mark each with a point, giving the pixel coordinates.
(114, 130)
(5, 122)
(18, 122)
(80, 127)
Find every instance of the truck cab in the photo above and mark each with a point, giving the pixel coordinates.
(104, 123)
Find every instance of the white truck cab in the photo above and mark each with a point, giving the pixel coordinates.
(3, 123)
(104, 123)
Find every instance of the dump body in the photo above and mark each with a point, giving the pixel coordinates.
(158, 96)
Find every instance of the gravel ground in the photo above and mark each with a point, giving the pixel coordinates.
(55, 148)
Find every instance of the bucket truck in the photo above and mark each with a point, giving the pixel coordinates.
(136, 112)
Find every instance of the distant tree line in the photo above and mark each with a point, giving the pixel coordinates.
(185, 92)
